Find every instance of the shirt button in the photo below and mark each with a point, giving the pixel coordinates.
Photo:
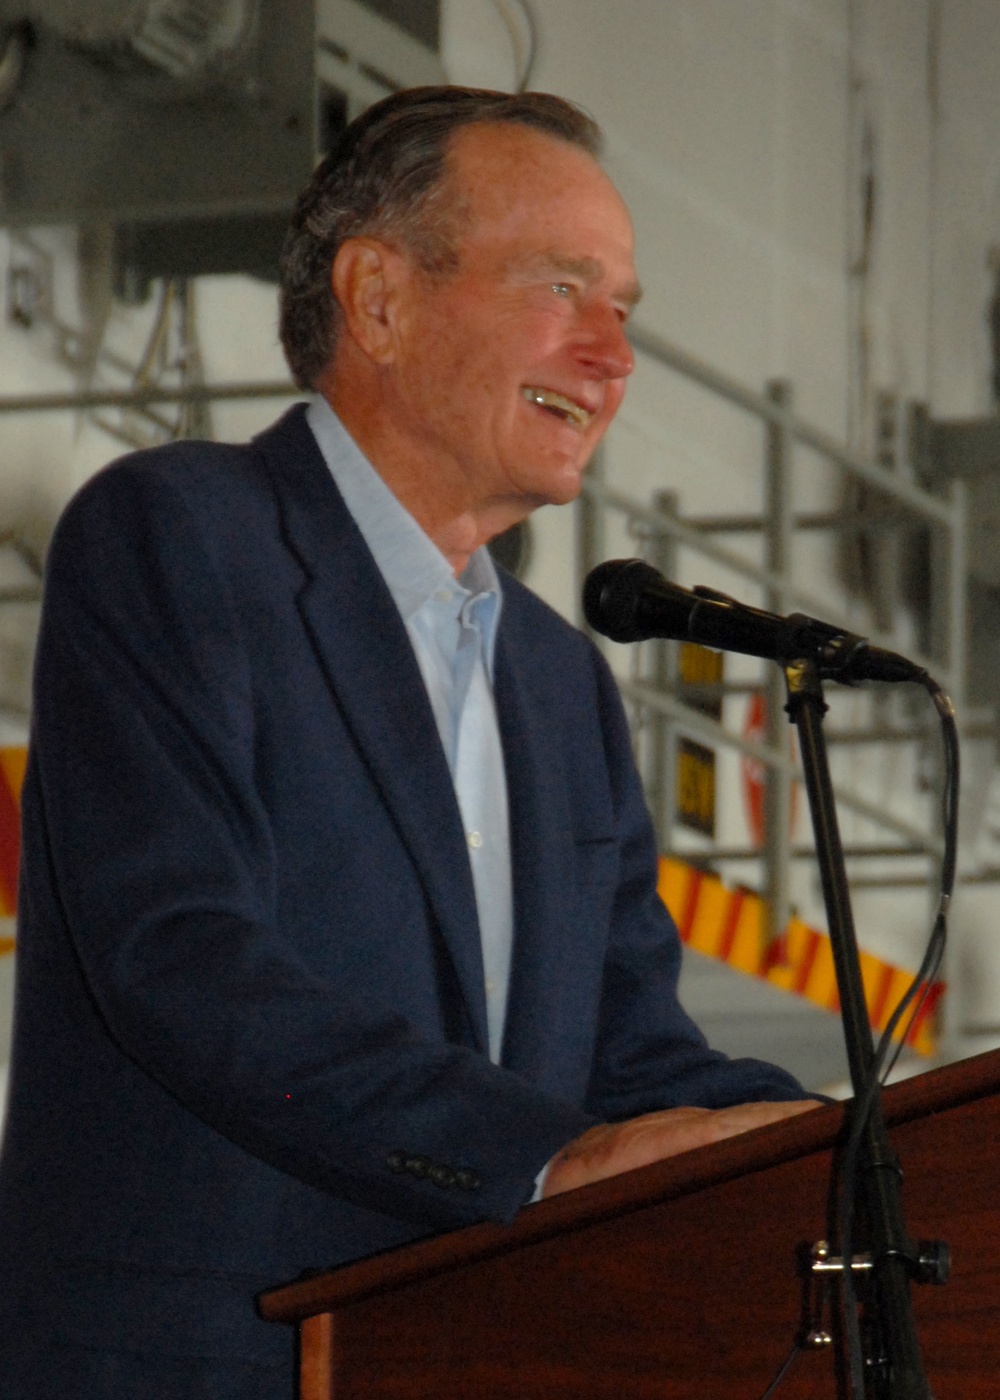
(475, 839)
(442, 596)
(490, 986)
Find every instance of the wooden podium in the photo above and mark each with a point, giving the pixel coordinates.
(678, 1281)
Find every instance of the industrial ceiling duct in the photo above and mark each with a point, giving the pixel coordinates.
(206, 113)
(189, 40)
(125, 110)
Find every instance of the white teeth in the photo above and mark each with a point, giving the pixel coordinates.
(547, 398)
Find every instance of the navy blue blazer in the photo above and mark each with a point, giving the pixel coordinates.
(249, 978)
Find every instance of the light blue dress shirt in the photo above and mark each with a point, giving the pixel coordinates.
(452, 624)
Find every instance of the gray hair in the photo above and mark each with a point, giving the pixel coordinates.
(385, 177)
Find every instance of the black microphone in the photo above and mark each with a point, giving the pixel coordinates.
(628, 601)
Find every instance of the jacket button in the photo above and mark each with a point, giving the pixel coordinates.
(396, 1161)
(442, 1176)
(468, 1180)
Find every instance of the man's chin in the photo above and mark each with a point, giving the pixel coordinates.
(566, 488)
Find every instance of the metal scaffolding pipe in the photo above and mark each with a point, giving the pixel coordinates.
(85, 399)
(701, 726)
(600, 494)
(921, 502)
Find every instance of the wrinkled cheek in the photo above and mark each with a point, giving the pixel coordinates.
(613, 401)
(615, 394)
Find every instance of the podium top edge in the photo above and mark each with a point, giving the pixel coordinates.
(806, 1134)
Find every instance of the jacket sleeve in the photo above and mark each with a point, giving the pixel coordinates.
(159, 857)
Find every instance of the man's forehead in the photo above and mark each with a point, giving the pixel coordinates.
(494, 167)
(515, 145)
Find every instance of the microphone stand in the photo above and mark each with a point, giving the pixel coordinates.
(894, 1367)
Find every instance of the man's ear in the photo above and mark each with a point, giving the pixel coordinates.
(365, 277)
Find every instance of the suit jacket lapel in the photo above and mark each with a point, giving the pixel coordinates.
(345, 605)
(542, 850)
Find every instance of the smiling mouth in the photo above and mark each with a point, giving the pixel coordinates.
(558, 405)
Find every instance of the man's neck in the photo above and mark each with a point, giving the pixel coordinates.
(436, 497)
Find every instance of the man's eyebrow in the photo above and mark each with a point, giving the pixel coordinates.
(589, 270)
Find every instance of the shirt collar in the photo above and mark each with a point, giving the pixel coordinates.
(410, 562)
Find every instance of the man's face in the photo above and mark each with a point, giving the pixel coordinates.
(507, 372)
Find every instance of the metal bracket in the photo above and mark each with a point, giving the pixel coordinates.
(929, 1261)
(823, 1262)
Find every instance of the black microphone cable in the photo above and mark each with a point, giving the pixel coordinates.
(879, 1069)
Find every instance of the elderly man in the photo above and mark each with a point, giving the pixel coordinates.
(339, 920)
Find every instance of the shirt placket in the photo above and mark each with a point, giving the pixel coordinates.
(481, 785)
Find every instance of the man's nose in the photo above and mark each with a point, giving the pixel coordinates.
(606, 347)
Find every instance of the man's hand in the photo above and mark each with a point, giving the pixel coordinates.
(611, 1148)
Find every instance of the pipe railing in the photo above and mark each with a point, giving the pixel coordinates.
(663, 528)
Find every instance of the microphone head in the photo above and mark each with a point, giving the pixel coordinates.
(612, 598)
